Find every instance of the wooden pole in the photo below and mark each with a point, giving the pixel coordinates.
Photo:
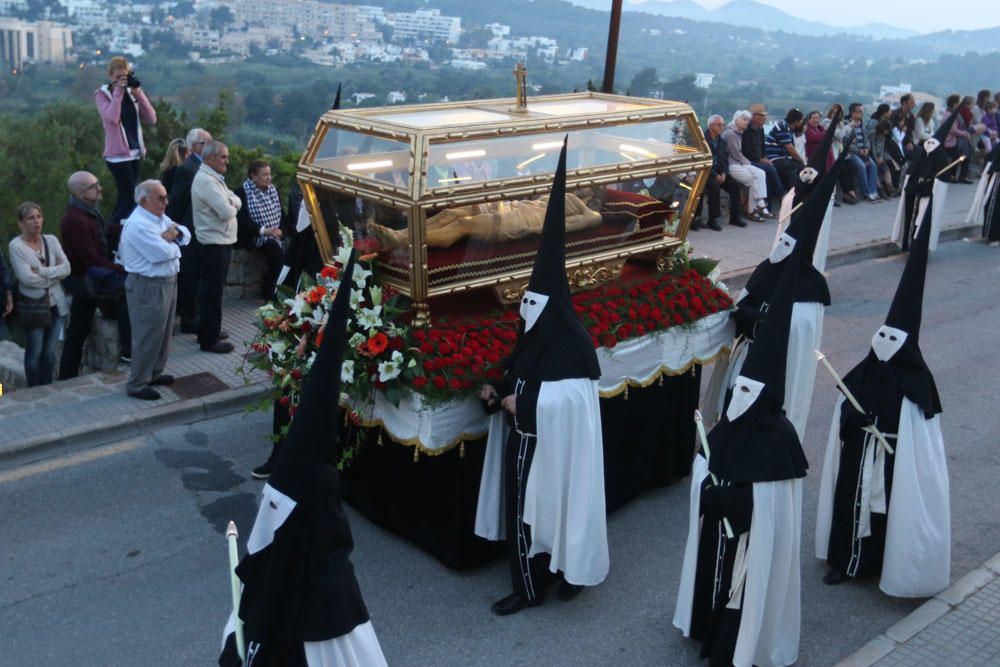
(612, 55)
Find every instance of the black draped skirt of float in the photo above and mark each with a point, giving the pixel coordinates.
(649, 441)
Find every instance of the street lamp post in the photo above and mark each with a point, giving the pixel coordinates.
(609, 62)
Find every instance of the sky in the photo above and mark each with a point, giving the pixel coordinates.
(919, 15)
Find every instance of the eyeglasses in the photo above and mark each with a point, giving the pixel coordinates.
(161, 198)
(93, 185)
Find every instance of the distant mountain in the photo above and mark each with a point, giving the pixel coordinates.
(750, 14)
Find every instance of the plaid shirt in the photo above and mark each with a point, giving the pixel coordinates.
(264, 207)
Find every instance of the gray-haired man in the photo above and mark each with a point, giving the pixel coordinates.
(150, 250)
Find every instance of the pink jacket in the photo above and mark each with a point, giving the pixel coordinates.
(110, 106)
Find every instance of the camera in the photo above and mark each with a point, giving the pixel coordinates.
(132, 81)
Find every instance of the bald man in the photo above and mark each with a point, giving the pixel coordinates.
(89, 243)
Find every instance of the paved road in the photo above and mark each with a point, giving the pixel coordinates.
(115, 556)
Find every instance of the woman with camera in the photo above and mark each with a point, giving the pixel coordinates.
(39, 264)
(124, 108)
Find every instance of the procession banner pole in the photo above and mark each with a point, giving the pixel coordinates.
(700, 425)
(234, 585)
(790, 213)
(853, 401)
(942, 172)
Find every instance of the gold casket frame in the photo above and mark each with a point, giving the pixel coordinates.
(414, 139)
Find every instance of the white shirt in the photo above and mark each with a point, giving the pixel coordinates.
(143, 251)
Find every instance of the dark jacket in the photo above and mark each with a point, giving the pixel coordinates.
(753, 143)
(179, 208)
(85, 244)
(4, 285)
(247, 231)
(720, 158)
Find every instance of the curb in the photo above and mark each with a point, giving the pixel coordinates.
(923, 616)
(95, 433)
(736, 279)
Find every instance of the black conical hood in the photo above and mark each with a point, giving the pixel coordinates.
(818, 159)
(549, 273)
(768, 354)
(336, 100)
(942, 132)
(907, 304)
(808, 220)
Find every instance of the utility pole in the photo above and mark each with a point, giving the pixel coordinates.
(612, 55)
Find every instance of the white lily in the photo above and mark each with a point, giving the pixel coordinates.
(357, 297)
(343, 255)
(361, 275)
(278, 349)
(390, 370)
(300, 307)
(356, 339)
(347, 372)
(369, 318)
(376, 293)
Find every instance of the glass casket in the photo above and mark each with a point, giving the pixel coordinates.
(455, 193)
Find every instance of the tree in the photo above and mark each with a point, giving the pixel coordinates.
(220, 17)
(644, 82)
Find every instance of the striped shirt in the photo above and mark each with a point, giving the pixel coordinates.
(777, 139)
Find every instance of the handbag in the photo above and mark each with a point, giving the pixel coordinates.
(34, 312)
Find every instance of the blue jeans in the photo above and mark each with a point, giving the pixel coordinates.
(867, 172)
(40, 351)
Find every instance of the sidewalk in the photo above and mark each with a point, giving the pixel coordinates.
(959, 626)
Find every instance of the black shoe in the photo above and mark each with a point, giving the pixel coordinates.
(146, 394)
(512, 604)
(263, 471)
(162, 380)
(833, 577)
(217, 346)
(567, 591)
(714, 226)
(223, 335)
(695, 226)
(189, 327)
(738, 223)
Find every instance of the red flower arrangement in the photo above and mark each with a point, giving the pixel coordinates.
(457, 358)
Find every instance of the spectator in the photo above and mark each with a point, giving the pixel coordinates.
(990, 136)
(881, 111)
(179, 210)
(814, 132)
(123, 119)
(753, 149)
(924, 125)
(958, 142)
(848, 182)
(887, 166)
(740, 168)
(151, 252)
(214, 207)
(779, 148)
(718, 181)
(902, 118)
(262, 221)
(90, 242)
(176, 153)
(39, 264)
(860, 154)
(7, 298)
(978, 118)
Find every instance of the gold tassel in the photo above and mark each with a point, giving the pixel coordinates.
(660, 381)
(461, 450)
(626, 391)
(416, 454)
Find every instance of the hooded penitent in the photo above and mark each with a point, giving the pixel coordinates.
(991, 197)
(754, 441)
(887, 513)
(298, 580)
(552, 345)
(928, 159)
(812, 175)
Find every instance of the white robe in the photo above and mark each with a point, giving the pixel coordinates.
(804, 338)
(564, 494)
(770, 624)
(917, 559)
(822, 241)
(358, 648)
(940, 193)
(975, 216)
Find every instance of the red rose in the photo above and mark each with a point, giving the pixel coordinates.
(455, 384)
(439, 381)
(678, 319)
(609, 341)
(427, 348)
(284, 401)
(296, 374)
(329, 272)
(419, 382)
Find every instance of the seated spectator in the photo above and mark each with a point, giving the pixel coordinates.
(753, 149)
(6, 298)
(881, 111)
(39, 263)
(740, 168)
(814, 132)
(261, 221)
(718, 181)
(882, 145)
(177, 152)
(923, 124)
(990, 136)
(860, 154)
(779, 148)
(958, 143)
(90, 243)
(903, 119)
(848, 181)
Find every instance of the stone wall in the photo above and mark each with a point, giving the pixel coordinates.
(11, 366)
(246, 269)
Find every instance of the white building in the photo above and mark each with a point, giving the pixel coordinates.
(426, 24)
(396, 97)
(472, 65)
(44, 41)
(703, 79)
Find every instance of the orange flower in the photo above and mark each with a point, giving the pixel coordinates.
(330, 272)
(315, 295)
(376, 344)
